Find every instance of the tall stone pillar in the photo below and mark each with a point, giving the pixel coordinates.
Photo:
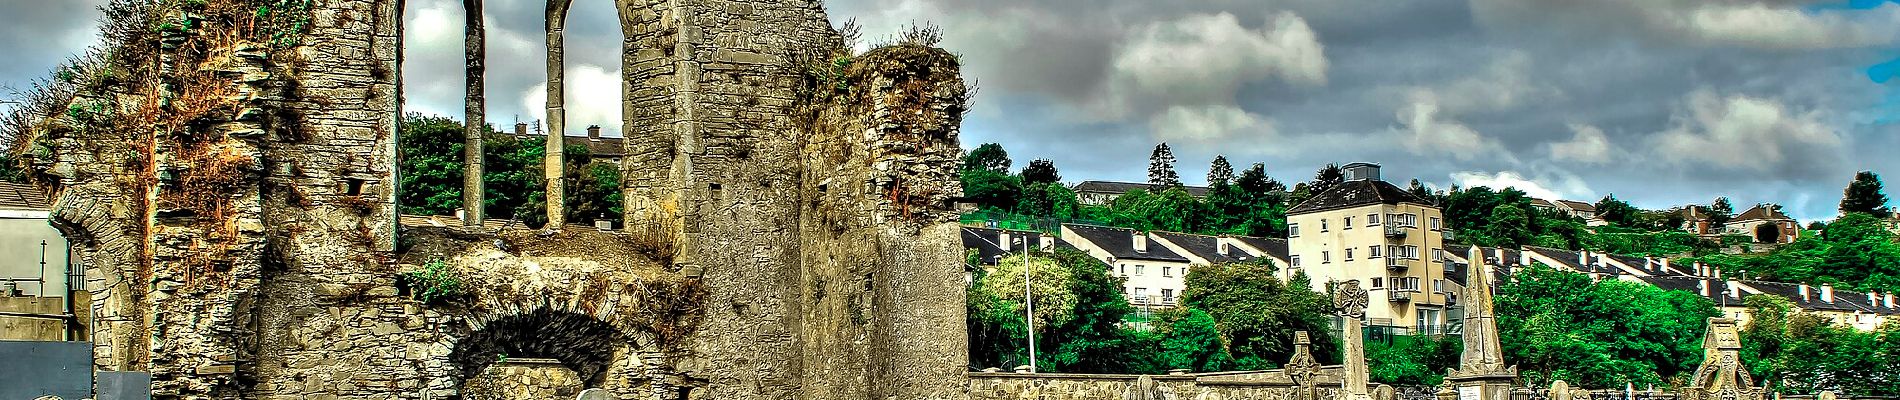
(1350, 300)
(555, 163)
(476, 121)
(1721, 375)
(1481, 372)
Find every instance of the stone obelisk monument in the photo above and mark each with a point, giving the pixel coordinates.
(1350, 300)
(1481, 373)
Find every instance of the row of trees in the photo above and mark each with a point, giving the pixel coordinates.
(429, 154)
(1802, 352)
(1233, 316)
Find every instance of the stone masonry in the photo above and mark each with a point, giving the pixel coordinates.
(788, 236)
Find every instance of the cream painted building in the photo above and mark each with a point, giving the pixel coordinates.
(1368, 230)
(1155, 272)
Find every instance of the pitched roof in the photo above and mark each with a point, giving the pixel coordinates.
(1353, 194)
(1120, 243)
(1204, 246)
(1792, 292)
(989, 244)
(1537, 202)
(20, 196)
(1579, 206)
(1125, 187)
(1761, 212)
(1276, 248)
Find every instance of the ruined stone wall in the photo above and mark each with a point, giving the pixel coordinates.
(778, 245)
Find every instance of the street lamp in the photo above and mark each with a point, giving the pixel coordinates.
(1030, 303)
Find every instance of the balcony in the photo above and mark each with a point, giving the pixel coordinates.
(1140, 300)
(1167, 301)
(1394, 231)
(1400, 295)
(1397, 264)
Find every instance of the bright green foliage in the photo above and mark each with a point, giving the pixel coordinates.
(987, 157)
(1509, 226)
(1049, 286)
(1093, 339)
(1854, 251)
(1634, 242)
(434, 283)
(1191, 341)
(998, 336)
(991, 189)
(1561, 325)
(430, 156)
(593, 189)
(1801, 352)
(1619, 212)
(1412, 360)
(1050, 200)
(513, 178)
(1258, 313)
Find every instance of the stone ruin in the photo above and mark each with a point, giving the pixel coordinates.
(231, 194)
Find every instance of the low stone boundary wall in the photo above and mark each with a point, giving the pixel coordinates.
(1273, 384)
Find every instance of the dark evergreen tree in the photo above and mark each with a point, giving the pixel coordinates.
(1041, 170)
(1720, 213)
(1220, 173)
(1161, 167)
(1619, 212)
(1326, 178)
(1864, 195)
(1418, 189)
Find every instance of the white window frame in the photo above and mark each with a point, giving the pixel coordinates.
(1348, 254)
(1167, 271)
(1372, 219)
(1438, 255)
(1374, 250)
(1325, 257)
(1293, 230)
(1347, 224)
(1438, 224)
(1139, 268)
(1294, 260)
(1378, 282)
(1323, 226)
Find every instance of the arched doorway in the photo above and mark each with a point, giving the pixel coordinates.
(546, 353)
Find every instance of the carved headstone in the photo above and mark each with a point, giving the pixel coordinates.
(1560, 390)
(1721, 376)
(1145, 388)
(1825, 395)
(1303, 368)
(1350, 301)
(1385, 392)
(1481, 370)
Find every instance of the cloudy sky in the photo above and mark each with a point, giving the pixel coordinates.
(1662, 102)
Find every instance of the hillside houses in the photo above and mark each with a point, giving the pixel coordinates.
(1096, 193)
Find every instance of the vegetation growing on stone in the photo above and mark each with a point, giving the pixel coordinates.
(434, 283)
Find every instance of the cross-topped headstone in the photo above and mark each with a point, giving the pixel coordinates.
(1350, 301)
(1722, 376)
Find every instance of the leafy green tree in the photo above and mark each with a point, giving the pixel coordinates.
(991, 189)
(998, 336)
(1192, 341)
(1258, 314)
(1508, 226)
(1562, 325)
(1093, 339)
(1049, 200)
(1418, 189)
(430, 157)
(987, 157)
(1864, 195)
(1618, 212)
(593, 189)
(1041, 170)
(1161, 167)
(515, 182)
(1801, 352)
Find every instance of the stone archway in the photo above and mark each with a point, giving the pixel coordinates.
(552, 351)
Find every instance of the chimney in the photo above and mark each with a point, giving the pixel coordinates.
(1141, 242)
(521, 129)
(1702, 285)
(1002, 238)
(1827, 294)
(1649, 264)
(1583, 259)
(1220, 247)
(1888, 301)
(1523, 258)
(1665, 264)
(593, 132)
(1360, 171)
(1734, 291)
(1873, 298)
(1715, 272)
(1804, 294)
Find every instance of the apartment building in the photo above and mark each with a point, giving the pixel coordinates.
(1369, 230)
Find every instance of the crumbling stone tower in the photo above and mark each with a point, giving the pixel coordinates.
(788, 227)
